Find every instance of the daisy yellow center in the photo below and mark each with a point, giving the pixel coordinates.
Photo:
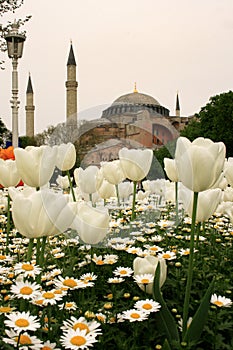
(69, 304)
(145, 281)
(154, 249)
(100, 262)
(22, 322)
(26, 290)
(134, 315)
(78, 340)
(100, 318)
(2, 257)
(5, 309)
(123, 272)
(70, 283)
(81, 326)
(46, 348)
(147, 306)
(134, 251)
(23, 340)
(58, 291)
(186, 252)
(39, 302)
(27, 267)
(48, 295)
(166, 256)
(218, 303)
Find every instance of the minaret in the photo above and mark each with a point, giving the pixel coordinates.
(71, 89)
(29, 109)
(177, 106)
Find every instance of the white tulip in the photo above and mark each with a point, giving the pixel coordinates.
(207, 202)
(107, 190)
(40, 213)
(199, 163)
(9, 175)
(66, 156)
(171, 169)
(148, 265)
(91, 224)
(86, 179)
(135, 163)
(112, 172)
(35, 164)
(227, 195)
(228, 170)
(63, 181)
(125, 189)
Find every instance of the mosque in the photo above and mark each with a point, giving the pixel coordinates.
(133, 120)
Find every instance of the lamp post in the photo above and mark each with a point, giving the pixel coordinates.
(15, 42)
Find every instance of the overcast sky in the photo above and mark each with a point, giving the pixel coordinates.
(164, 46)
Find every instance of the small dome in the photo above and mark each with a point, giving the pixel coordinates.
(136, 98)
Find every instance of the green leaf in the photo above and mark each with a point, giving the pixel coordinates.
(164, 314)
(166, 345)
(196, 327)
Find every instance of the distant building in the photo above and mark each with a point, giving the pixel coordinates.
(132, 120)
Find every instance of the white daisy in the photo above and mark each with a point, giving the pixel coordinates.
(22, 321)
(27, 269)
(24, 340)
(168, 255)
(123, 271)
(134, 315)
(88, 277)
(49, 346)
(69, 305)
(220, 301)
(69, 283)
(148, 305)
(116, 280)
(82, 324)
(77, 339)
(110, 259)
(50, 297)
(144, 279)
(25, 290)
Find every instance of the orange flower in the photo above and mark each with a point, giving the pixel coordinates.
(7, 153)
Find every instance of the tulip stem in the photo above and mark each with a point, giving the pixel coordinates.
(134, 200)
(117, 193)
(38, 251)
(190, 265)
(30, 247)
(71, 185)
(177, 204)
(8, 223)
(42, 250)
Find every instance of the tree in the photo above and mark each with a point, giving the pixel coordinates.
(4, 134)
(214, 121)
(5, 7)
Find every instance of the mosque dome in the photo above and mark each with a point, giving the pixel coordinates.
(136, 98)
(133, 103)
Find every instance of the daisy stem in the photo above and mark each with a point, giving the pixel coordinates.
(134, 200)
(8, 223)
(190, 265)
(71, 185)
(30, 248)
(18, 340)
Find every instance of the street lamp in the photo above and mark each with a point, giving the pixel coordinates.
(15, 42)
